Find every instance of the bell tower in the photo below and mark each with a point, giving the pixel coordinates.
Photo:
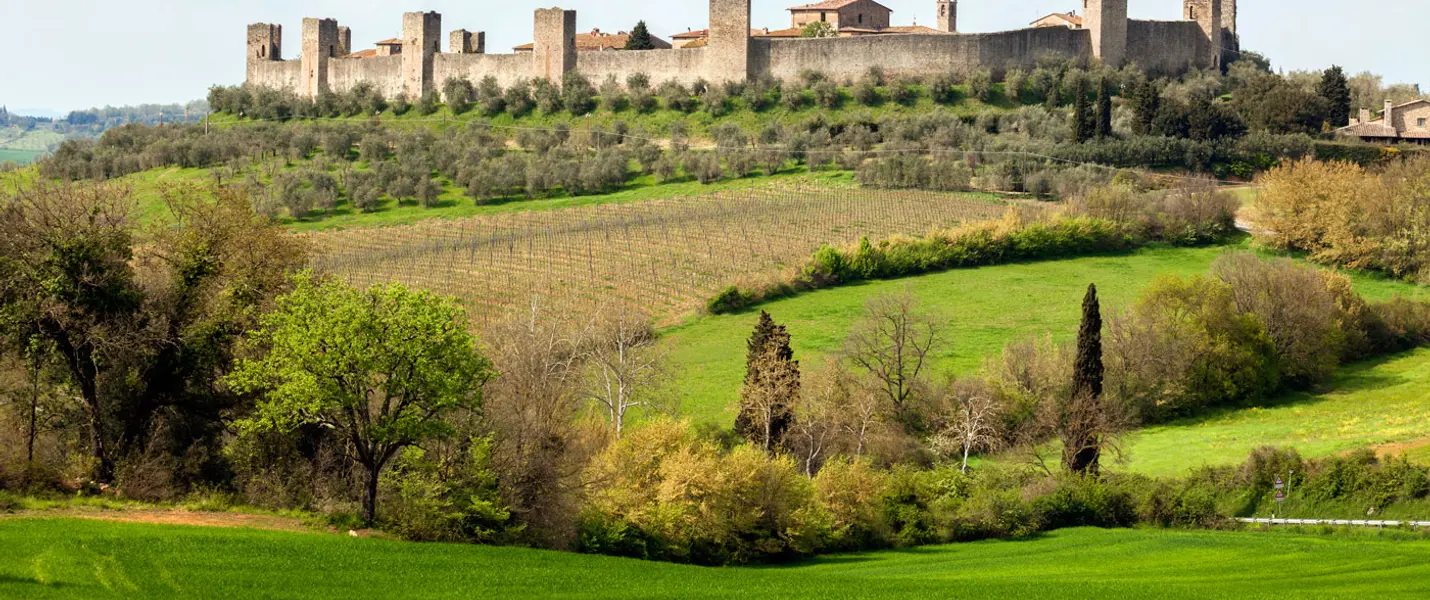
(948, 16)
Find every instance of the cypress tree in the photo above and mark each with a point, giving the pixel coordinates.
(1337, 91)
(1083, 450)
(640, 38)
(768, 338)
(1147, 100)
(1104, 111)
(1083, 127)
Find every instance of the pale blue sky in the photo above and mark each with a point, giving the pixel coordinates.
(69, 54)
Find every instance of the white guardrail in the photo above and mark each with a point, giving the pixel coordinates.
(1350, 522)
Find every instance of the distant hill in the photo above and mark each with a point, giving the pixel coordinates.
(40, 113)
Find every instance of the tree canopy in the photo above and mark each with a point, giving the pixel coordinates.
(380, 366)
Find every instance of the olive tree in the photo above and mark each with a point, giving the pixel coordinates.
(380, 367)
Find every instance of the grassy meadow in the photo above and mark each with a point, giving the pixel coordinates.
(71, 558)
(981, 310)
(1382, 403)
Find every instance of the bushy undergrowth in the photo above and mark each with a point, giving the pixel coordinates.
(667, 495)
(1343, 214)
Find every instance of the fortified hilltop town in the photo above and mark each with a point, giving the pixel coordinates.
(731, 51)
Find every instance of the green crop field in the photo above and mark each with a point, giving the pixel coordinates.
(981, 310)
(23, 157)
(64, 558)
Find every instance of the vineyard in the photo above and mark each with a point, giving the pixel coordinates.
(664, 256)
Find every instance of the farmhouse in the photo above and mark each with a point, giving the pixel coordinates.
(1409, 122)
(731, 50)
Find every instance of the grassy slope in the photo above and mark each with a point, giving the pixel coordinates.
(981, 310)
(92, 559)
(1383, 403)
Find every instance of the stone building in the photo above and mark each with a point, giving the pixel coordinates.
(731, 50)
(864, 14)
(1409, 122)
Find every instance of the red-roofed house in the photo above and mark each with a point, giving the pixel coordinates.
(596, 41)
(392, 47)
(1409, 122)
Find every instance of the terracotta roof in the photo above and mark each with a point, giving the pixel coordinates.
(595, 41)
(1377, 128)
(792, 32)
(920, 29)
(831, 5)
(1069, 18)
(691, 35)
(393, 41)
(700, 43)
(369, 53)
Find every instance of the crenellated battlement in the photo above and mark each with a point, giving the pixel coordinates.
(730, 50)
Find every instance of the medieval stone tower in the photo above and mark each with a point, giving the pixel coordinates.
(421, 41)
(265, 43)
(320, 45)
(555, 46)
(729, 51)
(1106, 21)
(1208, 15)
(948, 16)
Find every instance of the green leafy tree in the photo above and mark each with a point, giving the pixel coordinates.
(1335, 89)
(380, 367)
(818, 29)
(640, 38)
(67, 279)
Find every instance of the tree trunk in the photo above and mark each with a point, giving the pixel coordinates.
(105, 472)
(966, 445)
(34, 421)
(369, 501)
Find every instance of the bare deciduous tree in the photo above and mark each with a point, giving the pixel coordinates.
(892, 343)
(533, 410)
(820, 416)
(972, 424)
(627, 370)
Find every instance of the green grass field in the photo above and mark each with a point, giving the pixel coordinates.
(1383, 403)
(63, 558)
(981, 310)
(22, 157)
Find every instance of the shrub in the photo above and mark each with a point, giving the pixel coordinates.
(459, 95)
(980, 85)
(945, 89)
(490, 98)
(577, 94)
(518, 99)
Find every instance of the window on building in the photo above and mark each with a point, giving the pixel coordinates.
(1420, 123)
(824, 17)
(861, 18)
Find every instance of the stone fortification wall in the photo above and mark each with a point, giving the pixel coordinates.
(384, 73)
(507, 68)
(276, 74)
(731, 54)
(922, 55)
(684, 65)
(1166, 47)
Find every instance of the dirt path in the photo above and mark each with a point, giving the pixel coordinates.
(171, 516)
